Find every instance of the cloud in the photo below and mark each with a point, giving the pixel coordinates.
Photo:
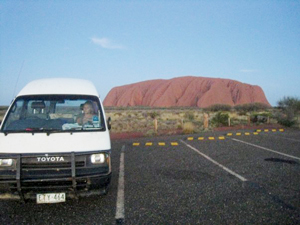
(247, 71)
(106, 43)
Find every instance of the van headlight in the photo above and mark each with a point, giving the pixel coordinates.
(98, 158)
(6, 162)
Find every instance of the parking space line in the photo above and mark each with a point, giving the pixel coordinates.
(120, 208)
(291, 139)
(266, 149)
(215, 162)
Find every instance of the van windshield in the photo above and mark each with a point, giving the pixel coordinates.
(54, 113)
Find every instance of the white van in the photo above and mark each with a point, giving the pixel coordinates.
(51, 147)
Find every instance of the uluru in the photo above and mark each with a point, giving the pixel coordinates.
(186, 91)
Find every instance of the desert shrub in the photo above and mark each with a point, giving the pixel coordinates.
(179, 126)
(153, 115)
(220, 119)
(286, 122)
(290, 106)
(291, 103)
(151, 132)
(189, 128)
(145, 114)
(117, 114)
(251, 107)
(218, 107)
(286, 119)
(189, 116)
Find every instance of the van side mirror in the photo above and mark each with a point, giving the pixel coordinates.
(109, 123)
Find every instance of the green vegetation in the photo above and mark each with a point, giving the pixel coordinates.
(219, 107)
(252, 107)
(290, 108)
(189, 116)
(154, 114)
(189, 128)
(220, 119)
(189, 120)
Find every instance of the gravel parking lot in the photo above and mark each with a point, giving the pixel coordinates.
(239, 179)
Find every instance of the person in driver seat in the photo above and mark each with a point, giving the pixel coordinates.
(88, 114)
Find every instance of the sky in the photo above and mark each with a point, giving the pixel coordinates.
(113, 43)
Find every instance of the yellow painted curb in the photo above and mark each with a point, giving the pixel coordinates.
(190, 138)
(149, 144)
(238, 134)
(221, 138)
(229, 134)
(200, 138)
(161, 143)
(247, 134)
(266, 130)
(211, 138)
(255, 133)
(274, 130)
(258, 131)
(174, 143)
(281, 130)
(136, 144)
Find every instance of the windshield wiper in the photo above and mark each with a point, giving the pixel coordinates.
(6, 132)
(41, 129)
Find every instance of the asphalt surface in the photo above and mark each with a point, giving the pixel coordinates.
(244, 179)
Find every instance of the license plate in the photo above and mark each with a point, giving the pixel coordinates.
(50, 198)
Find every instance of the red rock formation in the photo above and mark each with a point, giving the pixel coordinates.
(185, 91)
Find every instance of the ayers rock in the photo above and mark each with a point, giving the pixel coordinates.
(185, 91)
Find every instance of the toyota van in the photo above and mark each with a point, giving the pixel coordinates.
(46, 155)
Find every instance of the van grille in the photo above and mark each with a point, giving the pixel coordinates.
(51, 165)
(35, 173)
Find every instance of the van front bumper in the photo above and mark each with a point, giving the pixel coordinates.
(93, 186)
(76, 176)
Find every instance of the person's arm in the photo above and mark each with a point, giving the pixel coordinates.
(79, 119)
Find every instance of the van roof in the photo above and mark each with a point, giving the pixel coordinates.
(67, 86)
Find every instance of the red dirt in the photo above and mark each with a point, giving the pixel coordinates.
(131, 135)
(117, 136)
